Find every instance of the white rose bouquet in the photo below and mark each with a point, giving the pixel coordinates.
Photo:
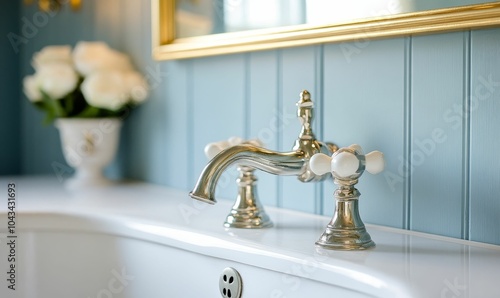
(91, 81)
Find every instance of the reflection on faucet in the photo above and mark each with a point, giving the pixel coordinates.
(295, 162)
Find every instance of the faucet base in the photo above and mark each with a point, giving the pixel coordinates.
(247, 219)
(247, 212)
(345, 239)
(346, 230)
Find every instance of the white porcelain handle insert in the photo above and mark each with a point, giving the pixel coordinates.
(347, 162)
(212, 149)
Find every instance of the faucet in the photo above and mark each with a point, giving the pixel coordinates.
(309, 160)
(291, 163)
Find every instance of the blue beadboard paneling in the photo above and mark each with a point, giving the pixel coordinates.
(364, 104)
(40, 145)
(136, 39)
(110, 21)
(485, 125)
(218, 86)
(262, 103)
(175, 125)
(437, 88)
(297, 73)
(151, 144)
(10, 105)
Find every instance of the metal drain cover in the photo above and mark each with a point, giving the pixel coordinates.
(230, 284)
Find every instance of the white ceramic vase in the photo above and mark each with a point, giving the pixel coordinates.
(89, 145)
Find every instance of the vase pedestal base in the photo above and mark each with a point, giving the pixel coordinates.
(89, 145)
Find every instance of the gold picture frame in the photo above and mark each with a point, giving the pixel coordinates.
(167, 47)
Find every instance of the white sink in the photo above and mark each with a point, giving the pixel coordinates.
(139, 240)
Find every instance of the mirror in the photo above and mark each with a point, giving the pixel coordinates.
(196, 28)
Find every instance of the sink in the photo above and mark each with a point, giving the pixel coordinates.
(87, 258)
(142, 240)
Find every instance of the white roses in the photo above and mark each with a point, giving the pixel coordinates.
(55, 75)
(113, 89)
(108, 82)
(102, 79)
(91, 57)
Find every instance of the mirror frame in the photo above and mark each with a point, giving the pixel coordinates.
(167, 47)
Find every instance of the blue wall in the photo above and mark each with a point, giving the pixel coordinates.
(430, 103)
(10, 85)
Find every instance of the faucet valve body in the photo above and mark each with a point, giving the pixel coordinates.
(346, 230)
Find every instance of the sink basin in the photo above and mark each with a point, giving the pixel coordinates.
(140, 240)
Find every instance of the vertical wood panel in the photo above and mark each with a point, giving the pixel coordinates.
(436, 159)
(10, 105)
(153, 146)
(298, 73)
(108, 19)
(263, 112)
(44, 138)
(136, 37)
(485, 124)
(364, 104)
(319, 116)
(218, 112)
(407, 134)
(176, 130)
(157, 149)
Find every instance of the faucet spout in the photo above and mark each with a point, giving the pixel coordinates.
(278, 163)
(295, 162)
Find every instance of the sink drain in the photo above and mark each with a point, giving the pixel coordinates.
(230, 284)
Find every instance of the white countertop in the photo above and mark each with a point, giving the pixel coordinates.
(412, 264)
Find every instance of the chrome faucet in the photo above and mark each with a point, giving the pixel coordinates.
(292, 163)
(309, 160)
